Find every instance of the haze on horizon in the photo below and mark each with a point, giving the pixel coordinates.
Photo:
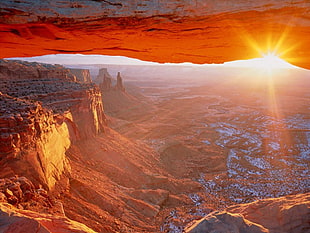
(72, 59)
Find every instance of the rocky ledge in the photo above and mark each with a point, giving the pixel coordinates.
(286, 214)
(43, 110)
(26, 208)
(18, 221)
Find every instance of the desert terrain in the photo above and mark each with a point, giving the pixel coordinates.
(152, 148)
(241, 138)
(208, 132)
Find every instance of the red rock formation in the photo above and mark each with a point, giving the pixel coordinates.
(286, 214)
(82, 75)
(29, 134)
(20, 192)
(18, 221)
(35, 135)
(163, 31)
(119, 83)
(19, 70)
(106, 84)
(104, 79)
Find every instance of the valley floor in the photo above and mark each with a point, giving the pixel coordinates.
(239, 143)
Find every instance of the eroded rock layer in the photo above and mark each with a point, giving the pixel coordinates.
(43, 111)
(164, 31)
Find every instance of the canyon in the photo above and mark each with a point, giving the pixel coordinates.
(149, 153)
(159, 147)
(54, 136)
(239, 149)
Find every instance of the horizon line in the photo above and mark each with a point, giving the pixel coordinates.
(128, 61)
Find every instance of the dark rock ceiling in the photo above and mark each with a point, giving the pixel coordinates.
(198, 31)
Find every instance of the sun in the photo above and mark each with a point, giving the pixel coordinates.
(271, 63)
(268, 64)
(272, 59)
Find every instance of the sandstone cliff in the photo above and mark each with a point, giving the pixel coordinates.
(32, 142)
(43, 111)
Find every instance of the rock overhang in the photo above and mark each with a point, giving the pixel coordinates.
(155, 30)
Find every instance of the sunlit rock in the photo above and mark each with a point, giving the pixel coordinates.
(43, 111)
(15, 220)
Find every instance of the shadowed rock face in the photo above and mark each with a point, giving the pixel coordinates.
(165, 31)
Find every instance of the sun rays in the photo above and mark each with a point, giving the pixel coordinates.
(269, 64)
(272, 51)
(270, 37)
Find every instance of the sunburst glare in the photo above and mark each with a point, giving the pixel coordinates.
(271, 63)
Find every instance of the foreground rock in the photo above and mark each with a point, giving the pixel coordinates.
(286, 214)
(25, 221)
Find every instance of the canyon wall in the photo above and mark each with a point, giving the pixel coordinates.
(155, 30)
(43, 111)
(32, 143)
